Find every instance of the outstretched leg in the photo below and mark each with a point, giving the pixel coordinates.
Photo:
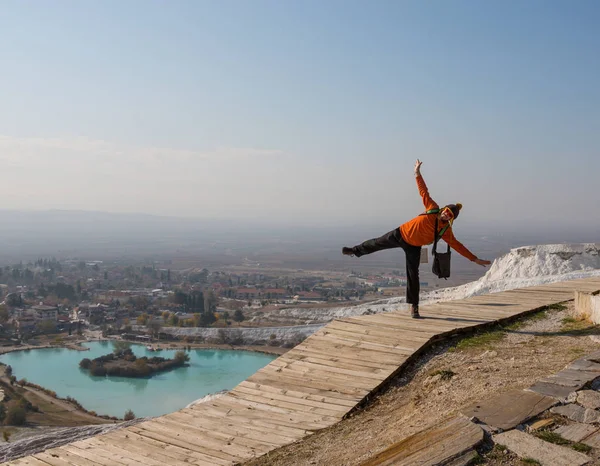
(391, 239)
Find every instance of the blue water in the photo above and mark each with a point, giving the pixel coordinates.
(209, 371)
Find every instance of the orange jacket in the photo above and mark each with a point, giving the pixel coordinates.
(419, 230)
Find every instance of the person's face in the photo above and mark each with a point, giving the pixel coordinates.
(446, 215)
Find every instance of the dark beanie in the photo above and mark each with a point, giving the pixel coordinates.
(455, 208)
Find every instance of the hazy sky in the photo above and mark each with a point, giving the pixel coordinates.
(302, 111)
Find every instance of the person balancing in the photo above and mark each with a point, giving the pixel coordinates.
(415, 233)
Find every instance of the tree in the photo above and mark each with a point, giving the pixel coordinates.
(155, 326)
(129, 416)
(238, 316)
(181, 357)
(14, 300)
(206, 319)
(120, 347)
(173, 319)
(85, 363)
(210, 301)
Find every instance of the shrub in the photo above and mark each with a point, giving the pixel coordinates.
(181, 357)
(16, 414)
(85, 363)
(129, 416)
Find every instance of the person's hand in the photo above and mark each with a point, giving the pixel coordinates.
(418, 164)
(482, 262)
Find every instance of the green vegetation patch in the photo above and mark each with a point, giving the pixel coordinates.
(578, 327)
(530, 462)
(552, 437)
(556, 307)
(555, 438)
(581, 447)
(480, 340)
(446, 374)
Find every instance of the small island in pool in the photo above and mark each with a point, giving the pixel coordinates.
(123, 363)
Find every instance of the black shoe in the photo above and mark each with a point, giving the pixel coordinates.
(347, 251)
(414, 312)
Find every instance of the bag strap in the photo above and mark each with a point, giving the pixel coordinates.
(437, 237)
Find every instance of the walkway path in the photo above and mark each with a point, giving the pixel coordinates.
(310, 387)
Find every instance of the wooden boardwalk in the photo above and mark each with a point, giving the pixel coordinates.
(308, 388)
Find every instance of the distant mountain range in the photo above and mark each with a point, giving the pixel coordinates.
(26, 235)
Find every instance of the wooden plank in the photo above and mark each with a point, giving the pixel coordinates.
(300, 384)
(47, 458)
(375, 342)
(181, 440)
(168, 449)
(284, 361)
(258, 410)
(59, 456)
(353, 350)
(311, 416)
(433, 446)
(324, 377)
(333, 340)
(373, 370)
(277, 403)
(115, 449)
(95, 457)
(240, 429)
(27, 460)
(144, 449)
(431, 314)
(328, 358)
(290, 399)
(258, 424)
(380, 336)
(86, 449)
(420, 330)
(255, 442)
(296, 394)
(240, 446)
(335, 361)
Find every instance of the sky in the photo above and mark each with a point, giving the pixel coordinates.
(303, 112)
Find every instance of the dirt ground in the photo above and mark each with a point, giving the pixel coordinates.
(443, 380)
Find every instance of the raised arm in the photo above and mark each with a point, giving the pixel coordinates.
(423, 191)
